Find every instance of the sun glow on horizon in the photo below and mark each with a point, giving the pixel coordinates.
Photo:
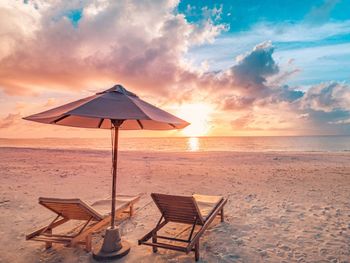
(199, 115)
(193, 144)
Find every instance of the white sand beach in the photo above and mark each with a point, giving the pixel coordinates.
(282, 206)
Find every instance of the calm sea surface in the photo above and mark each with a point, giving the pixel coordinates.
(239, 144)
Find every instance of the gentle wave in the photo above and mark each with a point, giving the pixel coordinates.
(180, 144)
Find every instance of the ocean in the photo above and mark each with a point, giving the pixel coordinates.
(193, 144)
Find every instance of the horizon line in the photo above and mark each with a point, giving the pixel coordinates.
(178, 137)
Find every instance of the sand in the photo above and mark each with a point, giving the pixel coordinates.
(282, 207)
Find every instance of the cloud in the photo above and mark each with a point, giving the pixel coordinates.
(321, 14)
(293, 32)
(286, 93)
(138, 43)
(87, 45)
(242, 122)
(257, 80)
(260, 100)
(264, 118)
(324, 108)
(333, 122)
(327, 97)
(237, 103)
(9, 120)
(252, 69)
(284, 75)
(302, 42)
(344, 121)
(51, 102)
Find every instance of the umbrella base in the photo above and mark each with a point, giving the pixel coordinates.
(112, 247)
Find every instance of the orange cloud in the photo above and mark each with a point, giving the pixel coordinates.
(146, 51)
(143, 45)
(10, 120)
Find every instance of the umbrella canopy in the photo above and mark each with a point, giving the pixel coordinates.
(116, 109)
(116, 103)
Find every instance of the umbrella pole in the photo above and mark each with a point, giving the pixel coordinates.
(115, 166)
(113, 247)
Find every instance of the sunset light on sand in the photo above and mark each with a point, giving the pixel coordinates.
(174, 131)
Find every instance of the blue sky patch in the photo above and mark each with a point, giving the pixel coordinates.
(315, 35)
(74, 16)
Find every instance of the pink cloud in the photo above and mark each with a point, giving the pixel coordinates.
(140, 44)
(9, 120)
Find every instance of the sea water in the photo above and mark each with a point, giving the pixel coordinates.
(193, 144)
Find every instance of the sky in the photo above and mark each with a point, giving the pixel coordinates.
(231, 68)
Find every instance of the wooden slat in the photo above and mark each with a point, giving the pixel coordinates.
(174, 200)
(179, 220)
(56, 235)
(35, 233)
(176, 204)
(189, 217)
(70, 208)
(184, 216)
(180, 211)
(178, 208)
(173, 239)
(166, 246)
(52, 239)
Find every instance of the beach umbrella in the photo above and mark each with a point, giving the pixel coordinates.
(116, 109)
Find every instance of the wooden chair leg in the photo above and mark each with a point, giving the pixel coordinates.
(222, 215)
(88, 239)
(196, 251)
(154, 240)
(131, 211)
(48, 244)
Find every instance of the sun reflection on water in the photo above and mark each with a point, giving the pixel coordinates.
(193, 144)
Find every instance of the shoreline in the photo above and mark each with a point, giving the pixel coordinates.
(167, 151)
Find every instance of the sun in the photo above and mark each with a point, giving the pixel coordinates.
(199, 115)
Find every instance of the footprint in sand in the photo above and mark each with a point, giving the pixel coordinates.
(280, 253)
(323, 251)
(315, 208)
(231, 257)
(285, 247)
(257, 209)
(299, 255)
(301, 216)
(262, 252)
(250, 197)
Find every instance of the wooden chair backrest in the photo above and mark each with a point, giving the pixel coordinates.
(70, 208)
(180, 209)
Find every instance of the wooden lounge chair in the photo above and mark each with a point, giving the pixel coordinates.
(94, 217)
(195, 210)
